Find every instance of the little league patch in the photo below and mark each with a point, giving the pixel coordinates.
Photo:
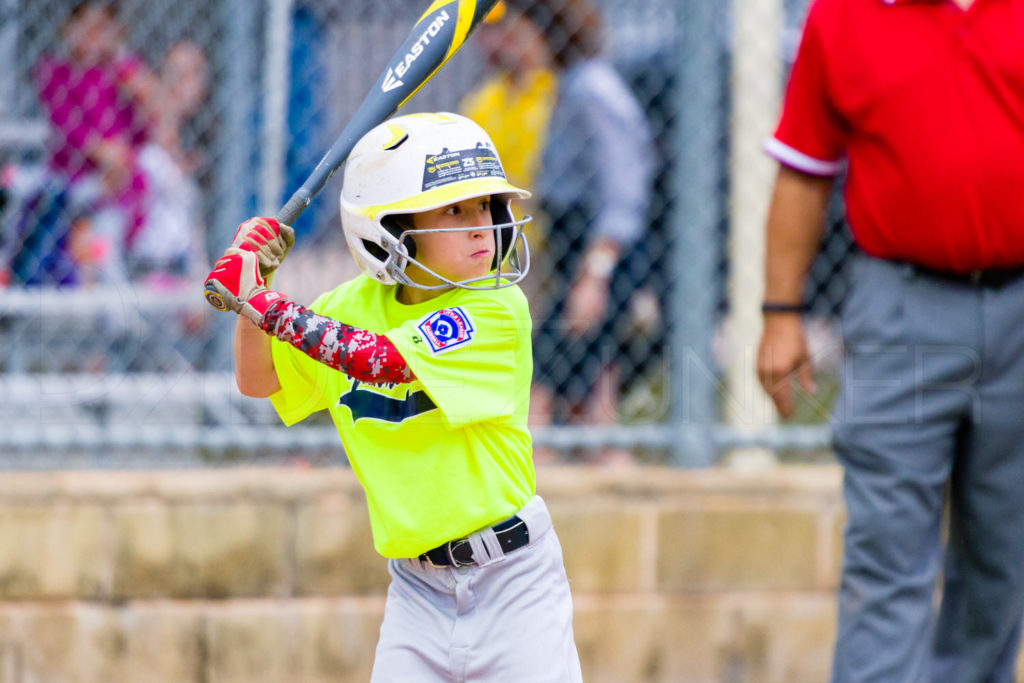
(446, 329)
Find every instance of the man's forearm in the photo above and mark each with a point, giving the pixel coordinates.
(796, 221)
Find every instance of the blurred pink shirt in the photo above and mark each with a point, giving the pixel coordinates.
(88, 101)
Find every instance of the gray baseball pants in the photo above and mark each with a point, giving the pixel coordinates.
(931, 412)
(506, 619)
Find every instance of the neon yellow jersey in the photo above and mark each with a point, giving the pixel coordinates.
(449, 453)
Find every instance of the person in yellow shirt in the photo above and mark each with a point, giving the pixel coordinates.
(515, 103)
(427, 381)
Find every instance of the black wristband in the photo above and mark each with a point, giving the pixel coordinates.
(777, 307)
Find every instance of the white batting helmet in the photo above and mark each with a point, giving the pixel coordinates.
(420, 162)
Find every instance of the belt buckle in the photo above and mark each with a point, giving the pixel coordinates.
(450, 546)
(976, 277)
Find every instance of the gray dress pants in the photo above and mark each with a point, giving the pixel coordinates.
(931, 411)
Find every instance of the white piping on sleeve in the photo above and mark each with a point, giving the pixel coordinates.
(800, 161)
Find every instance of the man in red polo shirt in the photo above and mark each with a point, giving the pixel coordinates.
(923, 103)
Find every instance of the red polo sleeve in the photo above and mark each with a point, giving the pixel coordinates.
(810, 135)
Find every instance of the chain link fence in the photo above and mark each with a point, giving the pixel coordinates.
(135, 137)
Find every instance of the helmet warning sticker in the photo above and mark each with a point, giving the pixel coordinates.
(451, 166)
(446, 329)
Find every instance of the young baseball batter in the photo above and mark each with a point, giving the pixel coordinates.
(424, 363)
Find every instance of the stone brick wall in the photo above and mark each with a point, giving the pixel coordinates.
(253, 575)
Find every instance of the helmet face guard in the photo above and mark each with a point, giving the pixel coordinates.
(511, 263)
(417, 163)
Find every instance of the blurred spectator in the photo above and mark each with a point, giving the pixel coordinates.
(166, 254)
(46, 240)
(167, 249)
(117, 202)
(594, 185)
(651, 75)
(93, 94)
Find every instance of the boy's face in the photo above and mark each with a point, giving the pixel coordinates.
(455, 255)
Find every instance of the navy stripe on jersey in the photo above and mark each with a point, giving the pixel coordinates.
(369, 404)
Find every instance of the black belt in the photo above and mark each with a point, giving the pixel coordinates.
(512, 534)
(992, 278)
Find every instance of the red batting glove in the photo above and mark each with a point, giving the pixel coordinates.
(271, 241)
(235, 284)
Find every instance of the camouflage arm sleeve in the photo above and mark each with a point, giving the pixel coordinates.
(360, 354)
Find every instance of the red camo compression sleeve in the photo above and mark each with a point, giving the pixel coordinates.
(360, 354)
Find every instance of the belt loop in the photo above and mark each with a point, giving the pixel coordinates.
(482, 550)
(491, 542)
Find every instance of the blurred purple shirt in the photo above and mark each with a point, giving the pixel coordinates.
(84, 102)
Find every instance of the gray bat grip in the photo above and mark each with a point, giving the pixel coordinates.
(293, 208)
